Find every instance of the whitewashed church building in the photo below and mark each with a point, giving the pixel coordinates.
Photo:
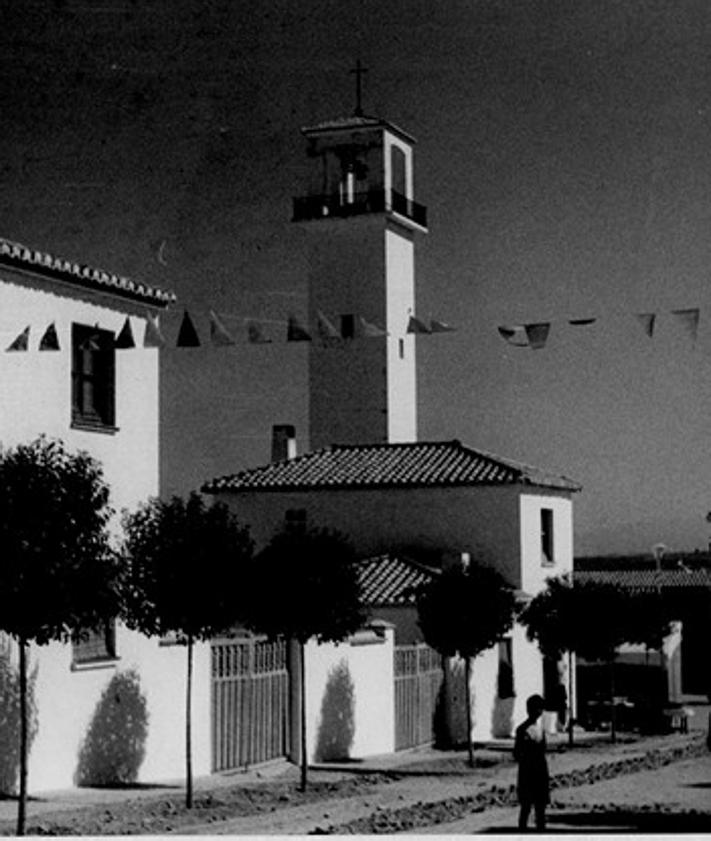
(365, 472)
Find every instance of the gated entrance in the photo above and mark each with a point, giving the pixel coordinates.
(418, 680)
(250, 702)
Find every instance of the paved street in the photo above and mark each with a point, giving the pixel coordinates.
(675, 798)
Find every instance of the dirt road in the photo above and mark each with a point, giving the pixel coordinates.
(672, 799)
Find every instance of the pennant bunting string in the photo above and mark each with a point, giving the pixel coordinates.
(220, 336)
(22, 342)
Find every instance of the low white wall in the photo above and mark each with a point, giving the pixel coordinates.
(494, 717)
(350, 689)
(70, 701)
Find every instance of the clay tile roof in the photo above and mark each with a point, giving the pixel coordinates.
(419, 464)
(389, 581)
(16, 256)
(647, 579)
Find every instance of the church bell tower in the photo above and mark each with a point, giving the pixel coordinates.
(362, 221)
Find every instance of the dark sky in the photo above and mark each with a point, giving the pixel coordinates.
(564, 154)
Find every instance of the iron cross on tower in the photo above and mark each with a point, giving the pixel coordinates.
(359, 70)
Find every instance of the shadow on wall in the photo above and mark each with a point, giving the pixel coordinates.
(114, 745)
(502, 724)
(10, 720)
(440, 719)
(337, 724)
(502, 718)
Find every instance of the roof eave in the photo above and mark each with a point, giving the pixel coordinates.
(38, 264)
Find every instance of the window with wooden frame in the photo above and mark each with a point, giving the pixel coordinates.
(93, 378)
(547, 543)
(95, 647)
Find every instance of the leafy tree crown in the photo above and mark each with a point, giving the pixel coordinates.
(58, 574)
(465, 611)
(305, 584)
(593, 618)
(186, 567)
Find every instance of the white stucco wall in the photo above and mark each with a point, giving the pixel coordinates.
(36, 384)
(534, 571)
(370, 668)
(400, 303)
(483, 520)
(347, 380)
(36, 389)
(68, 701)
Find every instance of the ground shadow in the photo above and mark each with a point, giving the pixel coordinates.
(114, 746)
(337, 723)
(10, 720)
(632, 820)
(617, 822)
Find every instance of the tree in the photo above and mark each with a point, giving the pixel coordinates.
(185, 574)
(58, 577)
(305, 585)
(593, 619)
(465, 611)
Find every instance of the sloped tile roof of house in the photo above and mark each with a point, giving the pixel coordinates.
(20, 257)
(387, 581)
(647, 579)
(418, 464)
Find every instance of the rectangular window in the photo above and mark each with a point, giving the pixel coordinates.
(93, 378)
(95, 646)
(547, 556)
(505, 681)
(401, 348)
(348, 326)
(295, 519)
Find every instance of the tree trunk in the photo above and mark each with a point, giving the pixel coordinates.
(468, 695)
(22, 802)
(304, 750)
(613, 708)
(571, 699)
(188, 729)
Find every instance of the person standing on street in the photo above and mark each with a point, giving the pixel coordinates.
(530, 753)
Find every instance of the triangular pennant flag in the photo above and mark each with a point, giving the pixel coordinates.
(22, 342)
(369, 330)
(325, 327)
(581, 322)
(124, 340)
(219, 334)
(690, 320)
(295, 332)
(414, 325)
(254, 333)
(538, 334)
(515, 335)
(646, 319)
(50, 340)
(187, 335)
(440, 326)
(152, 336)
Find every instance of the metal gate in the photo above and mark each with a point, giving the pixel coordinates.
(250, 702)
(418, 681)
